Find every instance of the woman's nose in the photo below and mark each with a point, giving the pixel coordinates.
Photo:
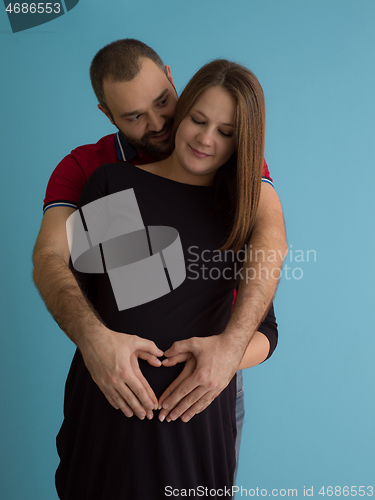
(205, 137)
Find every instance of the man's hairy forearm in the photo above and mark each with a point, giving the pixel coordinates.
(265, 254)
(107, 354)
(63, 296)
(216, 359)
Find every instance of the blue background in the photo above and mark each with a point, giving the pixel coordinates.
(310, 410)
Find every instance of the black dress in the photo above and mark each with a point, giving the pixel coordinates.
(107, 456)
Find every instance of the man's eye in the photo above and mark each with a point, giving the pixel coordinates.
(196, 121)
(164, 101)
(135, 118)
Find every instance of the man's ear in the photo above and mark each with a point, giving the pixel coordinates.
(106, 112)
(168, 69)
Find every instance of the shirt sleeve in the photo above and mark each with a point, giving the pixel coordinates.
(266, 177)
(65, 184)
(71, 174)
(269, 328)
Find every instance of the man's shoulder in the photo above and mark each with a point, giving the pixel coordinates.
(105, 148)
(87, 158)
(71, 174)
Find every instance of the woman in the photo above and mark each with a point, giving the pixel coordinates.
(208, 191)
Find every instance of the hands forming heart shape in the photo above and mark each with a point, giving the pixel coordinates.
(112, 360)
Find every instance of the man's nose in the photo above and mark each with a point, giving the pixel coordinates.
(155, 122)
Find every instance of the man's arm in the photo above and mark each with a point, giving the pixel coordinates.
(218, 357)
(111, 357)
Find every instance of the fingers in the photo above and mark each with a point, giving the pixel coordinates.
(182, 346)
(198, 399)
(130, 392)
(120, 404)
(183, 389)
(147, 346)
(126, 400)
(179, 358)
(117, 401)
(133, 387)
(113, 364)
(205, 374)
(138, 394)
(197, 407)
(150, 358)
(144, 382)
(170, 389)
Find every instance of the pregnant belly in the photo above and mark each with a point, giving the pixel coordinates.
(160, 378)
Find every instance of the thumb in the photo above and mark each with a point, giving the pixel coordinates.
(179, 358)
(150, 358)
(181, 346)
(193, 345)
(149, 346)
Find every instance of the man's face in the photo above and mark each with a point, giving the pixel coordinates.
(143, 108)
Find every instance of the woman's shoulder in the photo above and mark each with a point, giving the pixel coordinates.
(124, 169)
(103, 181)
(112, 173)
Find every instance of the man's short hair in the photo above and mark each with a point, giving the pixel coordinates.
(121, 62)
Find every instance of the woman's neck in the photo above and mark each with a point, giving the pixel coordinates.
(171, 168)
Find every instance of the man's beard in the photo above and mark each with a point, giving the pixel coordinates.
(149, 147)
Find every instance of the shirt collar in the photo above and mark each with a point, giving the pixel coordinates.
(125, 151)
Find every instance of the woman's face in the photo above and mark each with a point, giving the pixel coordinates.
(205, 138)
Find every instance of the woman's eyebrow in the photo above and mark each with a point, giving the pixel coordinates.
(205, 117)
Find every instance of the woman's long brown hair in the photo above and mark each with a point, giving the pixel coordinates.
(241, 176)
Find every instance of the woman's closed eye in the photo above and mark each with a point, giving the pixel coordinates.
(226, 134)
(194, 120)
(199, 122)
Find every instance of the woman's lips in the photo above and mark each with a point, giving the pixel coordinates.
(199, 154)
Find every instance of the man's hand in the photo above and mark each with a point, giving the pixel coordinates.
(211, 363)
(112, 360)
(111, 357)
(190, 365)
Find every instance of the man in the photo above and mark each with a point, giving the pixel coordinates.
(136, 92)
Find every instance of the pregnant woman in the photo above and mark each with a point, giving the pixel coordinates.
(192, 212)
